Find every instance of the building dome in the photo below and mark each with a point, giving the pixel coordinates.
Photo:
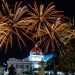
(36, 51)
(36, 54)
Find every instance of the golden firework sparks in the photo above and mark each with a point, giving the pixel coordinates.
(44, 22)
(54, 35)
(42, 16)
(13, 23)
(71, 32)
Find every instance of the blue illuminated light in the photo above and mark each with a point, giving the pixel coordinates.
(47, 57)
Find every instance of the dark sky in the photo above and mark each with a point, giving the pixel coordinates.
(68, 6)
(65, 5)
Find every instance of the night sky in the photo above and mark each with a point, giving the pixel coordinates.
(65, 5)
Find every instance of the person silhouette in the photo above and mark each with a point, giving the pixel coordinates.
(12, 70)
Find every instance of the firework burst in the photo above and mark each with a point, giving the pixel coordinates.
(54, 37)
(44, 23)
(12, 22)
(48, 26)
(42, 17)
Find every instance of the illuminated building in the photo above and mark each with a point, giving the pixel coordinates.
(30, 63)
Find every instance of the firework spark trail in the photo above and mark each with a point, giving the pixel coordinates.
(13, 23)
(71, 35)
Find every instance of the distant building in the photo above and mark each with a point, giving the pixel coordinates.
(28, 64)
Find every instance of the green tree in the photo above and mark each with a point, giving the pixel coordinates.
(68, 62)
